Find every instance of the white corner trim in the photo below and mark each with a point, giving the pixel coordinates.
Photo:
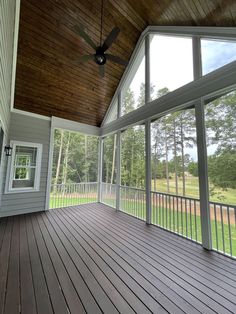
(31, 114)
(49, 176)
(75, 126)
(15, 46)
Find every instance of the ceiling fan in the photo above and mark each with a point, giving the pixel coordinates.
(100, 56)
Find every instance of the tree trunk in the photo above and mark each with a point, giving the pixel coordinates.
(182, 153)
(86, 160)
(59, 161)
(155, 167)
(167, 163)
(175, 157)
(132, 163)
(65, 163)
(113, 160)
(107, 175)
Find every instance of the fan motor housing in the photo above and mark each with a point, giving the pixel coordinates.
(99, 56)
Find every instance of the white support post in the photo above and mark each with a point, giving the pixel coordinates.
(203, 176)
(100, 155)
(118, 174)
(148, 172)
(202, 152)
(197, 64)
(148, 133)
(118, 156)
(119, 106)
(147, 70)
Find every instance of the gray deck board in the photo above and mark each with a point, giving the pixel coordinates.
(92, 259)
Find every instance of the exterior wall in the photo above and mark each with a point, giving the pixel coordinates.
(35, 130)
(7, 28)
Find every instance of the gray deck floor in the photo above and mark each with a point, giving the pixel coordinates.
(91, 259)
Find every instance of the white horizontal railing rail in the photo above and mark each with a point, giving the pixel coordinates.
(69, 194)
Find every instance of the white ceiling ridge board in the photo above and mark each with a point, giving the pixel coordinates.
(223, 78)
(203, 31)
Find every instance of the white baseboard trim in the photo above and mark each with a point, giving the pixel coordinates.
(19, 212)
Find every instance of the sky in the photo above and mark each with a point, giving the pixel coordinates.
(171, 65)
(171, 61)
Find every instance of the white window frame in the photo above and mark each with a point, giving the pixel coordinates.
(26, 166)
(11, 172)
(2, 151)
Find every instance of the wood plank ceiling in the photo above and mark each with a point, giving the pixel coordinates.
(49, 81)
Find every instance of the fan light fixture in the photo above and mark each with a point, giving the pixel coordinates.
(100, 57)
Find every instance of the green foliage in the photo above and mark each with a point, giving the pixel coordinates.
(172, 136)
(222, 170)
(193, 168)
(109, 167)
(133, 157)
(221, 122)
(75, 157)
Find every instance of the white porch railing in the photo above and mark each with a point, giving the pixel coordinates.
(133, 201)
(177, 214)
(223, 227)
(109, 194)
(69, 194)
(182, 215)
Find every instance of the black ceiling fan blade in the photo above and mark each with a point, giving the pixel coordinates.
(79, 30)
(102, 70)
(116, 59)
(85, 58)
(110, 38)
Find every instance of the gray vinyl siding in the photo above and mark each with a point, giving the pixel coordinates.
(7, 25)
(34, 130)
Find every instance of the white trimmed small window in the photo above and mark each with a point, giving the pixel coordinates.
(24, 167)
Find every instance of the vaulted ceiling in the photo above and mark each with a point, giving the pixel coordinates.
(49, 79)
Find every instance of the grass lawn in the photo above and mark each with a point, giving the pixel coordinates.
(192, 190)
(185, 224)
(57, 202)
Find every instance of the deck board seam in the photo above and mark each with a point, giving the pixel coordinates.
(105, 262)
(165, 234)
(53, 264)
(162, 247)
(139, 273)
(6, 283)
(40, 260)
(192, 286)
(30, 263)
(81, 257)
(78, 268)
